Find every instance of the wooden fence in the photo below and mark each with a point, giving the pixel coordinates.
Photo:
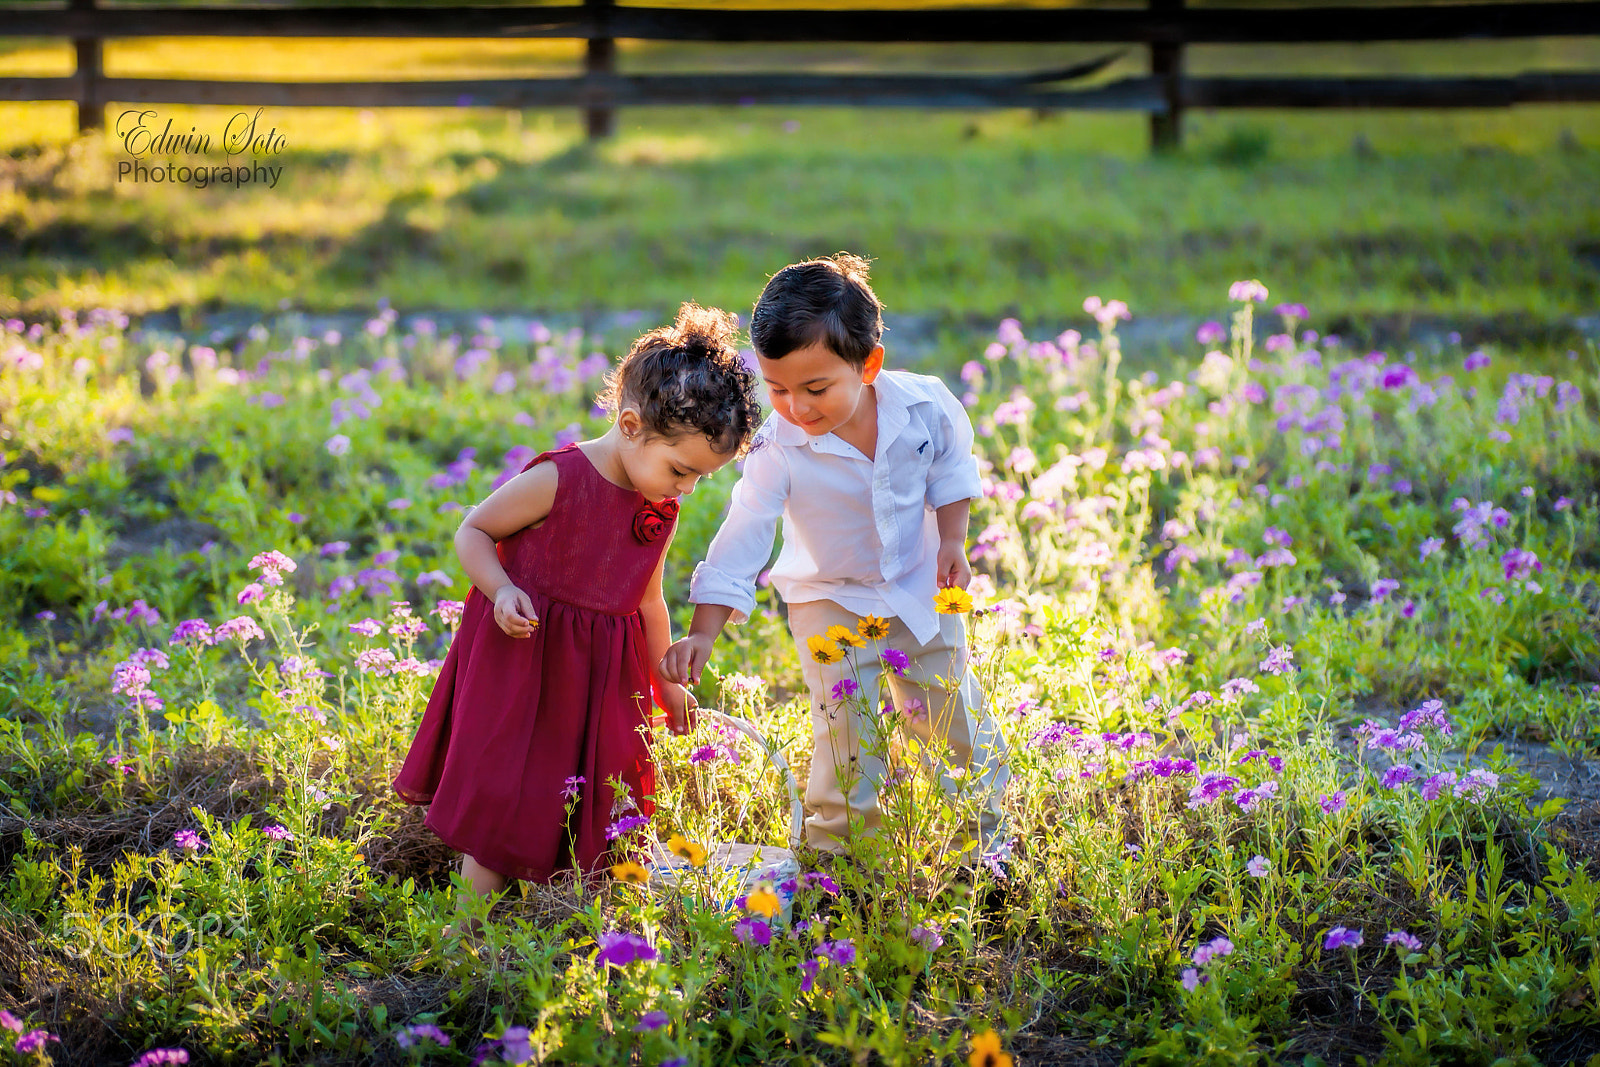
(1165, 28)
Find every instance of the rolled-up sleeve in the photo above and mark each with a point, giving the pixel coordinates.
(953, 475)
(743, 544)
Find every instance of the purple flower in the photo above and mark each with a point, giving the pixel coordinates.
(1233, 691)
(1259, 866)
(1210, 333)
(338, 445)
(1334, 804)
(1519, 564)
(1397, 776)
(1438, 785)
(927, 935)
(896, 661)
(1382, 588)
(626, 824)
(1339, 937)
(1220, 946)
(752, 929)
(808, 974)
(650, 1021)
(841, 953)
(622, 948)
(1280, 659)
(1477, 784)
(569, 789)
(408, 1036)
(192, 630)
(334, 548)
(278, 833)
(1475, 361)
(10, 1022)
(845, 688)
(33, 1041)
(1407, 941)
(1213, 784)
(1193, 979)
(251, 593)
(189, 839)
(515, 1046)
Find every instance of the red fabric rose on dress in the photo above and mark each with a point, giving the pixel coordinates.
(651, 521)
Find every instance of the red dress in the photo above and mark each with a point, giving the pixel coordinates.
(511, 719)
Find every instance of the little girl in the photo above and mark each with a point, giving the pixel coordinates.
(545, 692)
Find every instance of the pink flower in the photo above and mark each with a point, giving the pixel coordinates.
(188, 839)
(1250, 291)
(272, 560)
(1407, 941)
(251, 593)
(1259, 866)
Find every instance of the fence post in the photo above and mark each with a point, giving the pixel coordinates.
(600, 57)
(91, 109)
(1166, 65)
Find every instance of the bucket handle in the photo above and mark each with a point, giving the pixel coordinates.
(797, 812)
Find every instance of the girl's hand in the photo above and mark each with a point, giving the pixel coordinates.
(513, 610)
(680, 708)
(684, 659)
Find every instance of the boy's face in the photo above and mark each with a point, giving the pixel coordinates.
(816, 390)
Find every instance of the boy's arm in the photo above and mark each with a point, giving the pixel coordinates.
(723, 587)
(953, 483)
(953, 474)
(952, 567)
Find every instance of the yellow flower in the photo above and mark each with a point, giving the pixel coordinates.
(631, 873)
(763, 901)
(823, 650)
(874, 628)
(692, 851)
(986, 1051)
(843, 635)
(952, 601)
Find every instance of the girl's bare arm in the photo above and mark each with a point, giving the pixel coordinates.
(523, 501)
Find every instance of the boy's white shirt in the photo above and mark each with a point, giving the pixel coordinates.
(860, 532)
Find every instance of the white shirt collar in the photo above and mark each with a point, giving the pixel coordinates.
(894, 403)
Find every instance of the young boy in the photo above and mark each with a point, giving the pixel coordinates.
(872, 474)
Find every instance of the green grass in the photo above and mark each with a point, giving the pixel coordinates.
(979, 214)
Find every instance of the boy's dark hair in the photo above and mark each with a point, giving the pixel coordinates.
(820, 301)
(690, 377)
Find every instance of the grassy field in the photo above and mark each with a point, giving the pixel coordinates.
(970, 215)
(1217, 610)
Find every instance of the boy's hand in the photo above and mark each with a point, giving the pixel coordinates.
(684, 659)
(680, 706)
(513, 610)
(952, 568)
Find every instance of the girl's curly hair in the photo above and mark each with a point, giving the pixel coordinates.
(690, 378)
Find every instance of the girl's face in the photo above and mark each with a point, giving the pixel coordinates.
(815, 389)
(660, 467)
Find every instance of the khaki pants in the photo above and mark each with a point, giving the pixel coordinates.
(844, 777)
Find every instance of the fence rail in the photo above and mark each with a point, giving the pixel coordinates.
(1166, 27)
